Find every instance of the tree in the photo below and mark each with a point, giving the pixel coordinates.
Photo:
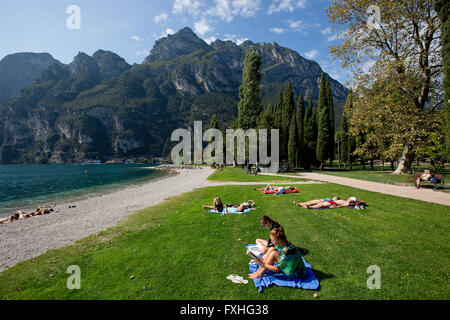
(331, 111)
(324, 126)
(287, 114)
(301, 130)
(293, 141)
(344, 130)
(309, 147)
(443, 9)
(249, 107)
(403, 50)
(277, 116)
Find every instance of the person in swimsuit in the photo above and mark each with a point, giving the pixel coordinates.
(325, 203)
(284, 254)
(217, 205)
(315, 202)
(271, 224)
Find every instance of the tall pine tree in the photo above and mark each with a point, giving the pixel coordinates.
(331, 124)
(293, 141)
(249, 107)
(287, 114)
(301, 130)
(323, 128)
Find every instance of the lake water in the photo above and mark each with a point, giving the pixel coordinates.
(31, 186)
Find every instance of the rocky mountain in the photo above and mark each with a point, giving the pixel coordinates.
(100, 107)
(19, 70)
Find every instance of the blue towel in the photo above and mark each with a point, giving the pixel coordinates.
(230, 210)
(280, 279)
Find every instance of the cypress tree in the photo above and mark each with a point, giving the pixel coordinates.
(249, 107)
(213, 123)
(308, 138)
(277, 116)
(323, 127)
(287, 114)
(301, 129)
(331, 124)
(293, 141)
(344, 137)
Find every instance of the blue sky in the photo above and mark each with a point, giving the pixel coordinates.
(130, 28)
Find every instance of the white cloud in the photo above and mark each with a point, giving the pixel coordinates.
(143, 52)
(326, 31)
(160, 18)
(276, 30)
(202, 27)
(228, 9)
(235, 38)
(210, 40)
(298, 26)
(166, 33)
(190, 6)
(137, 38)
(286, 5)
(311, 54)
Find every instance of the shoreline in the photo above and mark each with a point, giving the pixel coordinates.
(25, 239)
(81, 194)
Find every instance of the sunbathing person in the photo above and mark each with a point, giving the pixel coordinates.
(326, 203)
(314, 202)
(426, 176)
(274, 188)
(285, 254)
(267, 223)
(219, 207)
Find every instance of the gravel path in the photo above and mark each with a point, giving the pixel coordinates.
(412, 192)
(25, 239)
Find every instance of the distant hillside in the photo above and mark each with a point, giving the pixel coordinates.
(100, 107)
(19, 70)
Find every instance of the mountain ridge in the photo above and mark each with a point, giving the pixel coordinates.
(100, 107)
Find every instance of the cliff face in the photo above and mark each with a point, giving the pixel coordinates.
(19, 70)
(100, 107)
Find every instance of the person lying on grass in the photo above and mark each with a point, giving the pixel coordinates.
(267, 223)
(274, 188)
(219, 207)
(286, 255)
(325, 203)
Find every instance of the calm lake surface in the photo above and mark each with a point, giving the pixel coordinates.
(30, 186)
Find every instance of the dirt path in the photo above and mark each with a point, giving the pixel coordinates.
(400, 191)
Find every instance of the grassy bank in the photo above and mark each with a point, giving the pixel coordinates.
(239, 175)
(176, 250)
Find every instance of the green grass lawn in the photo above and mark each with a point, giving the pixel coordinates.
(239, 175)
(176, 250)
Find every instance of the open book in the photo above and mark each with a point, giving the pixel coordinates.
(254, 256)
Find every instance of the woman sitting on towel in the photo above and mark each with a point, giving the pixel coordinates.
(284, 254)
(267, 223)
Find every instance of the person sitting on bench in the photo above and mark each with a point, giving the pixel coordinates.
(426, 176)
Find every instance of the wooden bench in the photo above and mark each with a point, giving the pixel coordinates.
(439, 180)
